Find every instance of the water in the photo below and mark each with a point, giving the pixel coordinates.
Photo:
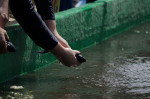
(118, 68)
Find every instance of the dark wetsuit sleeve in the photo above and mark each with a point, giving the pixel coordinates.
(45, 9)
(32, 23)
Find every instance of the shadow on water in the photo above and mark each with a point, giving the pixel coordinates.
(118, 68)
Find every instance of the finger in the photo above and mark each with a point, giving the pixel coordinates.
(6, 36)
(76, 52)
(3, 47)
(78, 63)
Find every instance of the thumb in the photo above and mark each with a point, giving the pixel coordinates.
(77, 52)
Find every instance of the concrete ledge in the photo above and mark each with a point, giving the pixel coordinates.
(81, 27)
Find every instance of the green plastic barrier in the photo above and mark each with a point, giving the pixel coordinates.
(124, 14)
(81, 27)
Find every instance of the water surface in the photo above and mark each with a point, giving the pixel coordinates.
(118, 68)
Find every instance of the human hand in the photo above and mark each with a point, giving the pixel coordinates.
(66, 55)
(3, 38)
(68, 58)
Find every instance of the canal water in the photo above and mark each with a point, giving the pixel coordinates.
(118, 68)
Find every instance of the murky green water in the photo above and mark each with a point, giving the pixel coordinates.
(118, 68)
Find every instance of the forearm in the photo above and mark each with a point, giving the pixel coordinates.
(51, 24)
(3, 12)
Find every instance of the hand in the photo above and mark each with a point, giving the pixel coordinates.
(66, 55)
(3, 38)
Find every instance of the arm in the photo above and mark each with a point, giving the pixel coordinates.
(36, 28)
(62, 51)
(3, 20)
(51, 24)
(47, 14)
(3, 12)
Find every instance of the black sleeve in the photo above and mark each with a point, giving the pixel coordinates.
(45, 9)
(32, 23)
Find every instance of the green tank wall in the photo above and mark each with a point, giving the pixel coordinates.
(81, 27)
